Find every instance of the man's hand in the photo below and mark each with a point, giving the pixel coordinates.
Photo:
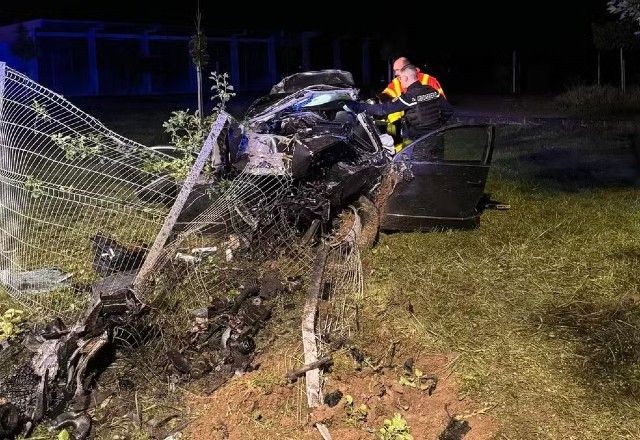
(354, 106)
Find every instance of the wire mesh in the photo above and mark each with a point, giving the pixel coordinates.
(66, 179)
(343, 284)
(79, 202)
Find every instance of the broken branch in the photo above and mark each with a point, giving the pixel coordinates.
(293, 376)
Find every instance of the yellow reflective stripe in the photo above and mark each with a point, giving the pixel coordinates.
(390, 92)
(425, 80)
(401, 145)
(397, 86)
(391, 129)
(393, 117)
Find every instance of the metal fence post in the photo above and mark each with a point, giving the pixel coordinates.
(156, 249)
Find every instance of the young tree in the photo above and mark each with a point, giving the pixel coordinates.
(616, 35)
(200, 57)
(600, 42)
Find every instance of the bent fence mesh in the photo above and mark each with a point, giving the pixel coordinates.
(65, 178)
(73, 192)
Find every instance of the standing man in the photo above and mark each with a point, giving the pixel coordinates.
(424, 107)
(394, 89)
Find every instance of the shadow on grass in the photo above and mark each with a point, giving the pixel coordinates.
(606, 340)
(591, 175)
(628, 254)
(571, 160)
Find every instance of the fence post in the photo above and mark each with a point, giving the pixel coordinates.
(3, 66)
(156, 249)
(514, 72)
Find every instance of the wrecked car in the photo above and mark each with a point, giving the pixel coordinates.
(301, 127)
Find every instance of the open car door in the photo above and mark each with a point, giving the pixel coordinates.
(443, 180)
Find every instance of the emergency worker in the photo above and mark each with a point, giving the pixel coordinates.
(424, 107)
(395, 89)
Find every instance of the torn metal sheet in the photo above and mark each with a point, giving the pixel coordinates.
(36, 281)
(329, 77)
(264, 156)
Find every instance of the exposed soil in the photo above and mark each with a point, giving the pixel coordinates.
(260, 404)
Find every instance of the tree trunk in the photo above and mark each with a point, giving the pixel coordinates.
(623, 79)
(513, 71)
(200, 101)
(599, 83)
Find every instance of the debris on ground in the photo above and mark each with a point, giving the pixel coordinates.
(145, 286)
(455, 430)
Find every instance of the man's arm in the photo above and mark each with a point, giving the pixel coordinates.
(384, 97)
(397, 105)
(446, 109)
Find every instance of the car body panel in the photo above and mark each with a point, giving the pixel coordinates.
(443, 179)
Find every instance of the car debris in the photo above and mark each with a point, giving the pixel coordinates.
(297, 160)
(36, 281)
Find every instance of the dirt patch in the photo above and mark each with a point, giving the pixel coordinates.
(260, 405)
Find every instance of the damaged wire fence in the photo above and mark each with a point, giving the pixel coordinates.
(69, 185)
(103, 251)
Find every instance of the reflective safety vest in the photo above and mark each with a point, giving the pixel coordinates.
(394, 89)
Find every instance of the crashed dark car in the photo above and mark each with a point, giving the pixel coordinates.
(301, 128)
(337, 156)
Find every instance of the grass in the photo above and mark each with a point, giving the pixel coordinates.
(600, 100)
(540, 303)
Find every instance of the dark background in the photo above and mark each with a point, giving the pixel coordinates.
(465, 25)
(468, 45)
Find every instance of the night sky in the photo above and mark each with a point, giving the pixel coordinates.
(554, 25)
(463, 36)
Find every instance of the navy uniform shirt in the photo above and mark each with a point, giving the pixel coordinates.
(425, 109)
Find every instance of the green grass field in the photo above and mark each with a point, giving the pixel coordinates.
(541, 302)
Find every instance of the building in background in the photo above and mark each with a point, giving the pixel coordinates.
(91, 58)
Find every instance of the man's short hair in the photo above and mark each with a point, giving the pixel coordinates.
(410, 69)
(401, 62)
(404, 61)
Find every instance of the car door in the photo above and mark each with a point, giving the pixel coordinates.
(443, 175)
